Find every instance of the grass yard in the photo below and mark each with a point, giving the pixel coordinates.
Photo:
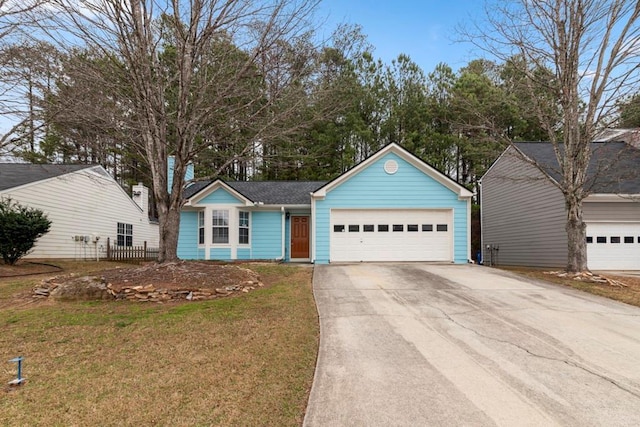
(246, 360)
(629, 294)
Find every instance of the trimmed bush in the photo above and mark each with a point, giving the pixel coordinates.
(20, 227)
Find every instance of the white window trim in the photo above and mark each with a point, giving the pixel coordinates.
(233, 229)
(228, 227)
(248, 227)
(124, 234)
(203, 227)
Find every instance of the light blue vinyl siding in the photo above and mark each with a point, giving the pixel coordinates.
(244, 253)
(188, 237)
(221, 196)
(266, 235)
(407, 188)
(188, 173)
(223, 254)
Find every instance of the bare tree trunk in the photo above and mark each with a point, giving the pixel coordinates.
(576, 235)
(590, 49)
(178, 102)
(169, 223)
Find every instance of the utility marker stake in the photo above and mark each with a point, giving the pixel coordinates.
(19, 380)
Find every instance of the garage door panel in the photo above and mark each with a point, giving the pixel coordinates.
(613, 246)
(417, 237)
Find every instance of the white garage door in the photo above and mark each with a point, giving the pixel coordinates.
(613, 246)
(391, 235)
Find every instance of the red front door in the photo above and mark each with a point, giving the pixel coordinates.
(299, 237)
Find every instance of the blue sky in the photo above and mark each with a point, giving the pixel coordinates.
(423, 29)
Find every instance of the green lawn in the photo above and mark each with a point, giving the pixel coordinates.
(246, 360)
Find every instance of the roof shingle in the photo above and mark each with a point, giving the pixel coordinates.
(614, 167)
(267, 192)
(17, 174)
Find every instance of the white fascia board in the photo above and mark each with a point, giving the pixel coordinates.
(405, 155)
(608, 197)
(461, 191)
(495, 162)
(278, 206)
(215, 185)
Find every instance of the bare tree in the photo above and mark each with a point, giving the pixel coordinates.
(16, 108)
(592, 48)
(181, 66)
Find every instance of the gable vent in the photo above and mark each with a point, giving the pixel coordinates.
(391, 167)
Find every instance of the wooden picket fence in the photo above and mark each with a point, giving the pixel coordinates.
(131, 253)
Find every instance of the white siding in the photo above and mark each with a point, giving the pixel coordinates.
(87, 202)
(523, 215)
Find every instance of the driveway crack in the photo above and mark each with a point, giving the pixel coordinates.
(541, 356)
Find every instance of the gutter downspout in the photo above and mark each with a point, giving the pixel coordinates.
(282, 234)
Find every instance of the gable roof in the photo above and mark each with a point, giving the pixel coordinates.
(299, 192)
(614, 167)
(17, 174)
(410, 158)
(267, 192)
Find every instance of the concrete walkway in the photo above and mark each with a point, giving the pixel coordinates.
(444, 345)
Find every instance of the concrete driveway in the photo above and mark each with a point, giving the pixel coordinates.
(431, 345)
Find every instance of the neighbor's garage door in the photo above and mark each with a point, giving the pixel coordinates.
(391, 235)
(613, 246)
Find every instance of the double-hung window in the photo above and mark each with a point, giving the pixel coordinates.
(243, 228)
(125, 234)
(201, 228)
(220, 226)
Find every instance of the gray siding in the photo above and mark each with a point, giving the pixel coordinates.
(524, 217)
(611, 211)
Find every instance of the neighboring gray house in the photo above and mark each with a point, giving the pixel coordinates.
(523, 214)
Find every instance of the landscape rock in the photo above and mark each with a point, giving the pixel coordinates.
(179, 281)
(81, 289)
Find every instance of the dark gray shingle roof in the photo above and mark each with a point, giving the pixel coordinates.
(267, 192)
(614, 167)
(16, 174)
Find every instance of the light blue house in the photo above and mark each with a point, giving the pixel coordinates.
(391, 207)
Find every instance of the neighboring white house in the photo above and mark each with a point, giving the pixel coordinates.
(85, 206)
